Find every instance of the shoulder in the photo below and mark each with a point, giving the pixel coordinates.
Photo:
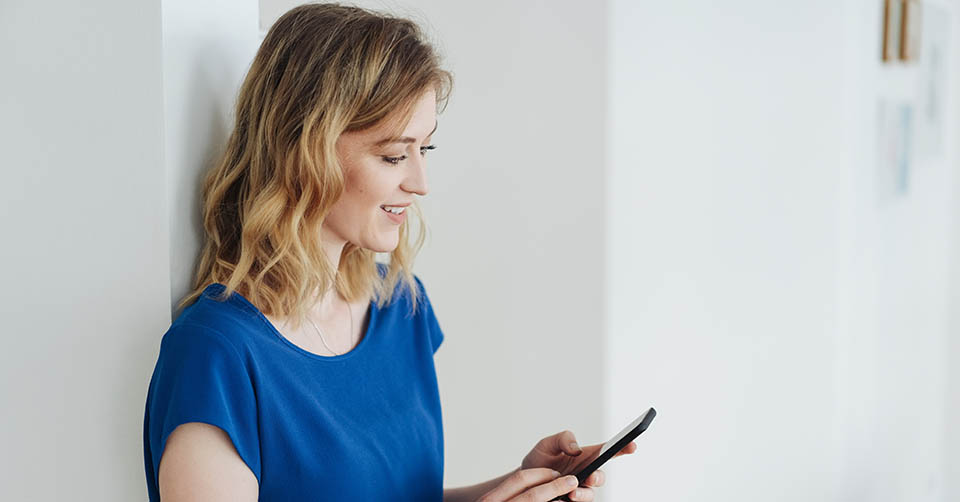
(211, 318)
(427, 315)
(421, 289)
(197, 349)
(422, 299)
(402, 292)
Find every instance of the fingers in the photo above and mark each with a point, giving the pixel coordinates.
(597, 478)
(581, 495)
(566, 442)
(550, 491)
(630, 448)
(585, 492)
(520, 481)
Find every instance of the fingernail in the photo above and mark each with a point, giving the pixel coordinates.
(575, 447)
(572, 481)
(556, 474)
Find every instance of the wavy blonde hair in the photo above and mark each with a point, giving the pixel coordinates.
(322, 70)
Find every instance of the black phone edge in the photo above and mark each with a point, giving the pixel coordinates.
(607, 455)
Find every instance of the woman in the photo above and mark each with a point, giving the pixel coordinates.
(301, 369)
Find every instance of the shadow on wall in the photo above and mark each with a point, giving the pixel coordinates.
(198, 132)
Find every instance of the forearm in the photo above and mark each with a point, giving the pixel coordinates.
(473, 492)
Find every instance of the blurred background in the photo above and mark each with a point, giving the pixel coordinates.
(741, 213)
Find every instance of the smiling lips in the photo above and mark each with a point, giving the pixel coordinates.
(394, 209)
(396, 213)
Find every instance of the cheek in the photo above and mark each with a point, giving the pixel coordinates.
(358, 204)
(370, 189)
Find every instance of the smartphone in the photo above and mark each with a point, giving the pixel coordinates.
(610, 448)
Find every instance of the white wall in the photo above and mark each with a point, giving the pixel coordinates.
(85, 248)
(106, 105)
(894, 275)
(949, 174)
(207, 49)
(789, 323)
(726, 139)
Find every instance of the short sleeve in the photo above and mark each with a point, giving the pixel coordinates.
(426, 309)
(200, 377)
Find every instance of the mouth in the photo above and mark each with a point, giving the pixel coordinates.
(395, 210)
(397, 214)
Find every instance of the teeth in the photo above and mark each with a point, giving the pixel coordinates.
(394, 209)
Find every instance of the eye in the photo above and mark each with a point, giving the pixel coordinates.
(394, 160)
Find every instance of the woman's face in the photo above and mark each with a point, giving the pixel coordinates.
(381, 171)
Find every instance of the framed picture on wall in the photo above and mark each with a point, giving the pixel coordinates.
(892, 13)
(910, 30)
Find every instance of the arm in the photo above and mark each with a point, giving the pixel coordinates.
(200, 463)
(474, 492)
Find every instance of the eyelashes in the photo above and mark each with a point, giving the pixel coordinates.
(396, 160)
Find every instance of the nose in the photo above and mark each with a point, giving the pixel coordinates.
(416, 179)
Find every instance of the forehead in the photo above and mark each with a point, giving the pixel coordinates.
(420, 123)
(421, 114)
(417, 123)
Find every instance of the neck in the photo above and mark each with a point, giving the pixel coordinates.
(333, 248)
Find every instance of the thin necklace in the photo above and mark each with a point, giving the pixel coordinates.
(321, 333)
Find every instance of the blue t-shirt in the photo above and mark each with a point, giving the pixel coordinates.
(364, 425)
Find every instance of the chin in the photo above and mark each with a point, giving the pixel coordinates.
(384, 247)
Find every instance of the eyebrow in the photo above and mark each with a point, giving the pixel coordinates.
(404, 139)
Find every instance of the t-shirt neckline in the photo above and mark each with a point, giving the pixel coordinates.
(216, 288)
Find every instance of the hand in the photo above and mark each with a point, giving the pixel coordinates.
(562, 453)
(531, 485)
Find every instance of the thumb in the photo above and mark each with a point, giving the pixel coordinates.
(565, 442)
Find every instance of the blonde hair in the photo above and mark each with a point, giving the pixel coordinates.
(322, 70)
